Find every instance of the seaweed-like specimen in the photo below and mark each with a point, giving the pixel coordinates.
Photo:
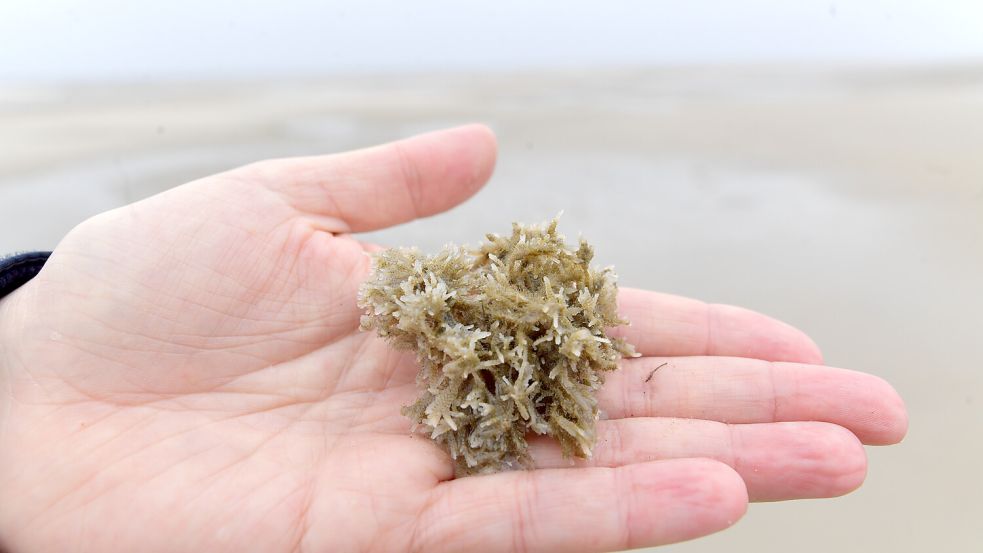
(510, 339)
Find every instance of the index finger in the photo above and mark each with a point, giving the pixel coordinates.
(664, 325)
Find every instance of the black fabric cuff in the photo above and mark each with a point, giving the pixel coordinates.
(17, 269)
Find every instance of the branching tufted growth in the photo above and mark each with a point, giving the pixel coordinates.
(510, 339)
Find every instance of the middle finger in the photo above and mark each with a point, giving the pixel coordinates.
(739, 390)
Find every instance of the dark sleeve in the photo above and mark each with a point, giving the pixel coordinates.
(17, 269)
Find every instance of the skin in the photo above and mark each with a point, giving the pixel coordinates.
(186, 374)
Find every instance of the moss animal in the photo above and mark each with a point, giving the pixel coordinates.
(510, 339)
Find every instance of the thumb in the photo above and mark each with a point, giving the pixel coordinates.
(385, 185)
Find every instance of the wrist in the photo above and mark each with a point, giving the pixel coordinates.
(9, 335)
(15, 271)
(7, 356)
(11, 342)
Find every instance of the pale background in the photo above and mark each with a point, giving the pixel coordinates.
(821, 162)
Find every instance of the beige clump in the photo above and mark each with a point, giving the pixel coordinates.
(510, 339)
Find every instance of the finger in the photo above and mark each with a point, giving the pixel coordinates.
(736, 390)
(587, 509)
(667, 325)
(386, 185)
(790, 460)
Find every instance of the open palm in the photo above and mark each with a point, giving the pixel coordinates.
(186, 374)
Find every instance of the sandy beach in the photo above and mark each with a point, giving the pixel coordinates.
(847, 201)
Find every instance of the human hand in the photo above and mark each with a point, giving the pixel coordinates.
(187, 374)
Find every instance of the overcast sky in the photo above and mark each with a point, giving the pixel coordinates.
(138, 40)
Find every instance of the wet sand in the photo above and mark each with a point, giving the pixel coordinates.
(847, 201)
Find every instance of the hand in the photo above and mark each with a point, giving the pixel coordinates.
(187, 374)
